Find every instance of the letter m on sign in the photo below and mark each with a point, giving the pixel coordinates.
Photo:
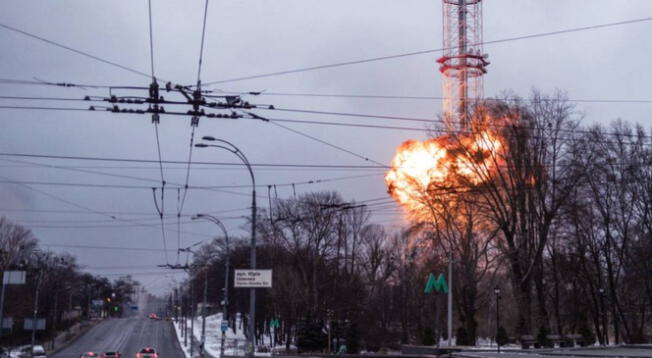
(438, 284)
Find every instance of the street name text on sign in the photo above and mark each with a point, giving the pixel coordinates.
(253, 278)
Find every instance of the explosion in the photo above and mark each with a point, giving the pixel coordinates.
(439, 167)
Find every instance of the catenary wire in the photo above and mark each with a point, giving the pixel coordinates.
(429, 98)
(103, 247)
(86, 54)
(328, 144)
(201, 47)
(363, 115)
(138, 160)
(151, 38)
(131, 177)
(422, 52)
(488, 99)
(89, 209)
(121, 213)
(196, 187)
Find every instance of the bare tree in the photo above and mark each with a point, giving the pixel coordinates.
(522, 155)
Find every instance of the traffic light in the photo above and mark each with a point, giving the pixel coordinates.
(115, 308)
(108, 299)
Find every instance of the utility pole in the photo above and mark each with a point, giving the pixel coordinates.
(203, 314)
(497, 292)
(226, 279)
(192, 319)
(225, 308)
(184, 327)
(450, 298)
(184, 317)
(38, 285)
(2, 304)
(330, 328)
(252, 291)
(54, 320)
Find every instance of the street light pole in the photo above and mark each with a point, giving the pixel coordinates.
(450, 299)
(226, 278)
(192, 318)
(2, 305)
(252, 291)
(38, 285)
(604, 337)
(497, 292)
(203, 314)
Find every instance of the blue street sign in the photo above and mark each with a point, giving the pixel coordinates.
(225, 325)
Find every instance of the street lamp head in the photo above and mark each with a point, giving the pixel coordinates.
(208, 138)
(497, 290)
(201, 145)
(197, 216)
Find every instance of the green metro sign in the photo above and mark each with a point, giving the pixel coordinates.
(439, 284)
(274, 323)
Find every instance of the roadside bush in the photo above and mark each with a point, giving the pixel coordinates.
(462, 338)
(310, 337)
(542, 337)
(502, 338)
(428, 338)
(588, 338)
(352, 339)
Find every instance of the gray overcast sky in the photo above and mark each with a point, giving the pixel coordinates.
(249, 37)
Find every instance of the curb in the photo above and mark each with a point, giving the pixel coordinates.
(74, 339)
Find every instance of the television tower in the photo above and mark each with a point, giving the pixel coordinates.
(463, 62)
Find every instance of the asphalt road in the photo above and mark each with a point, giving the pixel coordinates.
(128, 336)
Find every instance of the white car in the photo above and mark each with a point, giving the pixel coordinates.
(39, 352)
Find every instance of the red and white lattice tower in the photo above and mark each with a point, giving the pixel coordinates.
(463, 62)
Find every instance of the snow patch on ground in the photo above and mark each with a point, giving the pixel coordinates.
(235, 341)
(177, 329)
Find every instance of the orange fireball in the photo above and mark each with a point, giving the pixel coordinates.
(438, 167)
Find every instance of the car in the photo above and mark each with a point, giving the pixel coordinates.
(37, 352)
(154, 316)
(111, 355)
(147, 352)
(88, 355)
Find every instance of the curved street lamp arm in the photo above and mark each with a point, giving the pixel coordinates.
(215, 220)
(240, 155)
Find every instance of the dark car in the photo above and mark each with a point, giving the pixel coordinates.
(147, 352)
(111, 355)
